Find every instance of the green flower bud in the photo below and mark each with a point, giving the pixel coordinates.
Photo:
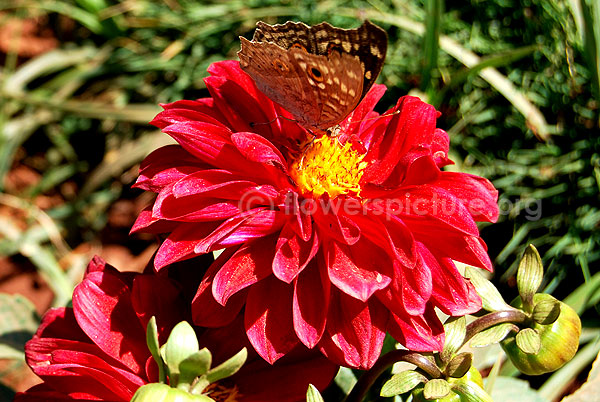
(559, 339)
(472, 378)
(163, 393)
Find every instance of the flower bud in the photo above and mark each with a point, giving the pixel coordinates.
(559, 339)
(163, 393)
(470, 383)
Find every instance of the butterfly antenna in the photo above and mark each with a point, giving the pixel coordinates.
(252, 123)
(375, 118)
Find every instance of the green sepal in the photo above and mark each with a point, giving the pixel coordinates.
(229, 367)
(154, 347)
(313, 394)
(546, 311)
(194, 366)
(528, 341)
(223, 370)
(529, 276)
(471, 392)
(456, 329)
(492, 335)
(436, 389)
(401, 383)
(459, 365)
(181, 344)
(491, 299)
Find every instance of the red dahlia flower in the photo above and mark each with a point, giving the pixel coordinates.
(97, 349)
(330, 240)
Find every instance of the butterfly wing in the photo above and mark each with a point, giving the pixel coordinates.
(367, 43)
(276, 74)
(335, 84)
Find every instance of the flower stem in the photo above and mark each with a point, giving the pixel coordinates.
(368, 378)
(497, 317)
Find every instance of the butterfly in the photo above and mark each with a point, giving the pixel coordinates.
(317, 73)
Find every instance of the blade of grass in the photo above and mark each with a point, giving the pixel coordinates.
(434, 10)
(591, 40)
(499, 60)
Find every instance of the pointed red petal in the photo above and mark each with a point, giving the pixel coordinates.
(268, 318)
(251, 263)
(355, 331)
(206, 311)
(358, 270)
(311, 303)
(421, 333)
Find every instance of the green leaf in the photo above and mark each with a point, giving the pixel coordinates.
(546, 312)
(492, 335)
(471, 392)
(345, 379)
(456, 329)
(313, 394)
(154, 347)
(529, 276)
(194, 366)
(228, 367)
(18, 322)
(401, 383)
(436, 388)
(528, 341)
(490, 296)
(181, 344)
(459, 365)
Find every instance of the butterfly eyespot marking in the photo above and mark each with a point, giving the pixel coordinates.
(280, 65)
(315, 74)
(298, 46)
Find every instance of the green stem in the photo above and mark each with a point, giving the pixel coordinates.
(368, 378)
(497, 317)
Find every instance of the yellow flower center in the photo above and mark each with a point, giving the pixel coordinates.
(222, 393)
(328, 167)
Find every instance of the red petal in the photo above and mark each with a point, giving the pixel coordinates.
(355, 331)
(145, 222)
(206, 311)
(421, 333)
(268, 318)
(413, 126)
(157, 170)
(236, 95)
(470, 250)
(477, 194)
(166, 306)
(427, 203)
(330, 221)
(103, 309)
(256, 148)
(292, 254)
(221, 184)
(253, 224)
(181, 242)
(409, 291)
(311, 303)
(185, 110)
(251, 263)
(452, 293)
(358, 270)
(359, 120)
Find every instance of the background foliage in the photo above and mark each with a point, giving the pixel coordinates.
(516, 82)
